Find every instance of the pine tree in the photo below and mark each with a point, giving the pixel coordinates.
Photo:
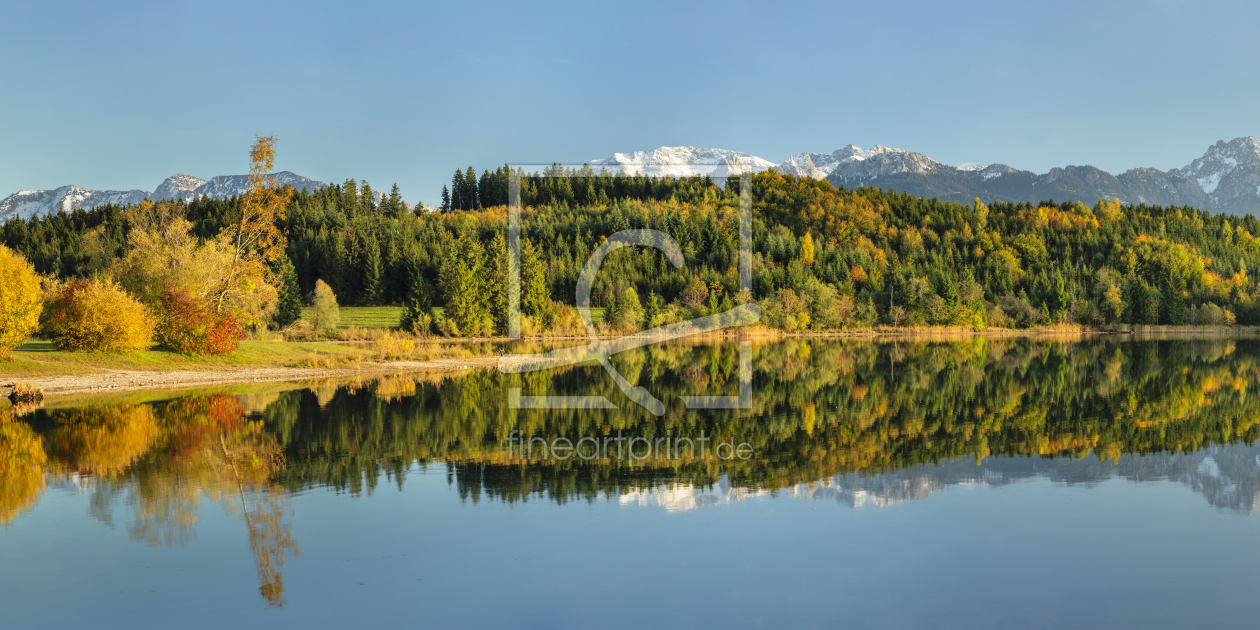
(350, 197)
(470, 189)
(458, 190)
(535, 296)
(372, 272)
(464, 285)
(367, 199)
(498, 281)
(395, 207)
(611, 311)
(289, 304)
(653, 309)
(446, 199)
(484, 194)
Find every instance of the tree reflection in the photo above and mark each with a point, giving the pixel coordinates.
(821, 408)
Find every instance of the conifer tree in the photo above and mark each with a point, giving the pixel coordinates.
(289, 306)
(367, 199)
(464, 284)
(395, 207)
(372, 272)
(535, 296)
(350, 196)
(498, 281)
(446, 199)
(653, 309)
(470, 189)
(457, 190)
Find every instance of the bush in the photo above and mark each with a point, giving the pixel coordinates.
(394, 347)
(326, 312)
(190, 325)
(92, 316)
(21, 301)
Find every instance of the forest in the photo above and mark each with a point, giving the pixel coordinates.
(824, 258)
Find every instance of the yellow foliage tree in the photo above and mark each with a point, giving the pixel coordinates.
(22, 462)
(162, 252)
(20, 301)
(256, 240)
(807, 250)
(98, 316)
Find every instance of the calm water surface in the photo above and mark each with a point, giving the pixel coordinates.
(982, 484)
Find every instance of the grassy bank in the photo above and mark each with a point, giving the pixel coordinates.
(40, 358)
(363, 316)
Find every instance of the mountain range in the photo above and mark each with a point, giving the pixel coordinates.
(1226, 178)
(28, 203)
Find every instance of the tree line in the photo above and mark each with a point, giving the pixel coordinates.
(825, 258)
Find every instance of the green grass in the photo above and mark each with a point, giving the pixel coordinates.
(40, 358)
(364, 316)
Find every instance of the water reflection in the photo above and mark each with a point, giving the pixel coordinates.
(161, 461)
(855, 422)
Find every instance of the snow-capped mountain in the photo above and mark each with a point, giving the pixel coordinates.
(684, 162)
(855, 166)
(1225, 179)
(28, 203)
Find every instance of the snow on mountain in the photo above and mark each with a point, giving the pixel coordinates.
(1225, 179)
(853, 164)
(28, 203)
(177, 187)
(684, 162)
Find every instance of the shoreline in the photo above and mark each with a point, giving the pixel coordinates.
(111, 381)
(107, 380)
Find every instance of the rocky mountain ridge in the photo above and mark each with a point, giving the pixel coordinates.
(1226, 178)
(28, 203)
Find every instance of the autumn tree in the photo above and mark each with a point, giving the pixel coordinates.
(325, 311)
(256, 239)
(21, 301)
(807, 250)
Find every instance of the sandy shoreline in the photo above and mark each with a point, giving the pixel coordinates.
(127, 380)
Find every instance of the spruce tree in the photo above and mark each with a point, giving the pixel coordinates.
(464, 285)
(367, 199)
(350, 197)
(372, 272)
(289, 304)
(535, 296)
(653, 309)
(458, 190)
(470, 189)
(446, 199)
(498, 281)
(395, 207)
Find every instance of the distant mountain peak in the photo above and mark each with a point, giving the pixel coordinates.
(28, 203)
(684, 161)
(1225, 179)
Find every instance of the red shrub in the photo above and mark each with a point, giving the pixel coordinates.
(190, 325)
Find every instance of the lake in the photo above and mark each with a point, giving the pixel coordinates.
(986, 483)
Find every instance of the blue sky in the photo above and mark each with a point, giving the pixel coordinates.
(122, 95)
